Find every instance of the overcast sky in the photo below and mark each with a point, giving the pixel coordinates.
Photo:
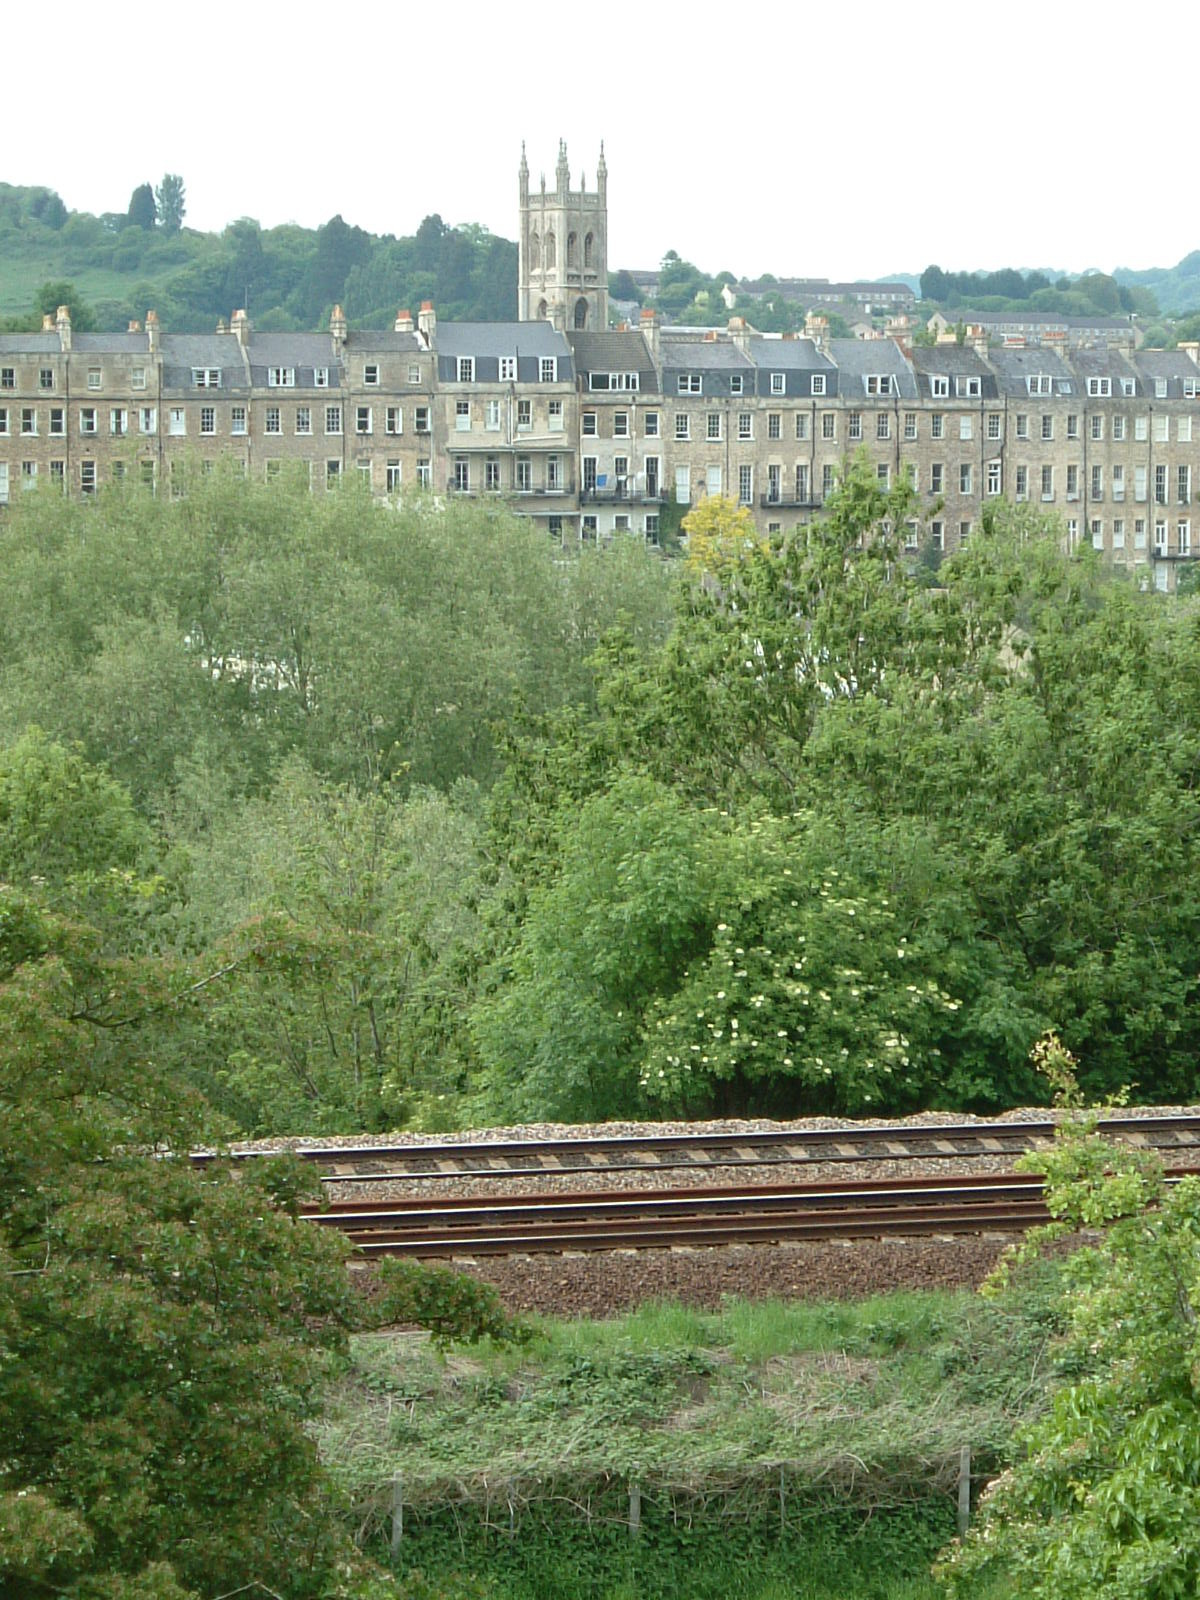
(824, 140)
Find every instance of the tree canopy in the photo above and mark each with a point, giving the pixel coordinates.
(1100, 1500)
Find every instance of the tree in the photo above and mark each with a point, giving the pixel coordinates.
(165, 1332)
(934, 284)
(142, 212)
(1100, 1503)
(622, 287)
(52, 295)
(171, 202)
(719, 532)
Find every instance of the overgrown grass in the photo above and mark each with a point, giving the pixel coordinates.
(785, 1439)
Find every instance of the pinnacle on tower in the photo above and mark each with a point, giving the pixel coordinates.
(562, 172)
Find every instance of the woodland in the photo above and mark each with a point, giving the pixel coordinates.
(319, 814)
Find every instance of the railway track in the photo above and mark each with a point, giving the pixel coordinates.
(760, 1214)
(659, 1152)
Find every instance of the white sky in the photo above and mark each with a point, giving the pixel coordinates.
(822, 140)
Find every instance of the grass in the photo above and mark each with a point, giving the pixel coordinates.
(796, 1451)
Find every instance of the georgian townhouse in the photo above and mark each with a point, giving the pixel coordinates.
(390, 398)
(621, 482)
(795, 388)
(710, 412)
(876, 390)
(203, 408)
(952, 441)
(507, 412)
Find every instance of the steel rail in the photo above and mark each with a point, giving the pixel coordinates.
(659, 1152)
(749, 1215)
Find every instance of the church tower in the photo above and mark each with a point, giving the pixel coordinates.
(562, 274)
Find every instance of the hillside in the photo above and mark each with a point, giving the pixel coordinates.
(287, 277)
(1177, 288)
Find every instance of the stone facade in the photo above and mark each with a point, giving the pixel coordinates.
(562, 273)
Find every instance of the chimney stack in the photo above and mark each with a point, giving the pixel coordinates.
(1191, 349)
(338, 328)
(47, 323)
(239, 324)
(222, 325)
(816, 328)
(62, 323)
(427, 323)
(152, 331)
(404, 321)
(135, 326)
(650, 323)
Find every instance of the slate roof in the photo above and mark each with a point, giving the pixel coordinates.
(788, 355)
(953, 361)
(1013, 367)
(300, 351)
(500, 339)
(29, 344)
(183, 351)
(703, 355)
(1035, 319)
(109, 343)
(369, 340)
(862, 358)
(614, 352)
(1105, 363)
(1173, 365)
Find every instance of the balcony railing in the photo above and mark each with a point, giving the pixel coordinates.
(789, 500)
(624, 490)
(564, 486)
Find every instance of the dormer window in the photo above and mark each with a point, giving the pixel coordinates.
(1100, 388)
(690, 383)
(967, 388)
(1038, 383)
(508, 369)
(613, 380)
(777, 383)
(206, 377)
(939, 388)
(1160, 388)
(548, 369)
(281, 377)
(735, 383)
(878, 383)
(818, 383)
(466, 369)
(1128, 388)
(320, 377)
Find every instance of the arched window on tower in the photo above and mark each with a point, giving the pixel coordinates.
(587, 251)
(572, 250)
(535, 252)
(581, 309)
(543, 311)
(551, 252)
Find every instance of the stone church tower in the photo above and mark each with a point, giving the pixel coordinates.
(563, 271)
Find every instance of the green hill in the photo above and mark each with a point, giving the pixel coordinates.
(1177, 288)
(287, 277)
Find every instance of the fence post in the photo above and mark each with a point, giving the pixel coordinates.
(635, 1510)
(397, 1514)
(964, 1489)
